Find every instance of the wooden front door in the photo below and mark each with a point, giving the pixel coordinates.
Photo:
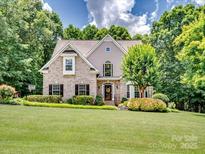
(108, 92)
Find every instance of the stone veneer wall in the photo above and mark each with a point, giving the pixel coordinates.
(82, 76)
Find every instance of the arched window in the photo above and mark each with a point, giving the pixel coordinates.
(108, 69)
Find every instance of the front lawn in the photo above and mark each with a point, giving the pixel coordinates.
(57, 130)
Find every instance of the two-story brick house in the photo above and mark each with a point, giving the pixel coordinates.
(88, 67)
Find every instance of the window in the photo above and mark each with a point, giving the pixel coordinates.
(82, 89)
(56, 89)
(108, 69)
(128, 91)
(69, 65)
(137, 94)
(107, 49)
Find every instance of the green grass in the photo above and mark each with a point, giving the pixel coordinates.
(36, 130)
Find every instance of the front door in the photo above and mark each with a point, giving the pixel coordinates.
(108, 92)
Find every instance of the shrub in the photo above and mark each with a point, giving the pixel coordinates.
(44, 98)
(99, 100)
(83, 100)
(105, 107)
(162, 97)
(69, 101)
(146, 104)
(9, 101)
(124, 99)
(6, 91)
(172, 105)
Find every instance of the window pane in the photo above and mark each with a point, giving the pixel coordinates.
(68, 65)
(108, 69)
(82, 90)
(56, 89)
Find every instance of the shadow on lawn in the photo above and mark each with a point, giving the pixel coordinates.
(199, 114)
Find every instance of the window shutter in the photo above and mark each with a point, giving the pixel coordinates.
(50, 89)
(87, 89)
(61, 89)
(103, 69)
(76, 89)
(112, 70)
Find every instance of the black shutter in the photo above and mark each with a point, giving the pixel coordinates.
(61, 89)
(76, 89)
(50, 89)
(112, 69)
(103, 69)
(87, 89)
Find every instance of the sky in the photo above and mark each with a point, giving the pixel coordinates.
(136, 15)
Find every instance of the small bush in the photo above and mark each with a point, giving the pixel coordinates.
(6, 91)
(172, 105)
(105, 107)
(162, 97)
(83, 100)
(124, 99)
(99, 100)
(44, 98)
(9, 101)
(146, 104)
(69, 101)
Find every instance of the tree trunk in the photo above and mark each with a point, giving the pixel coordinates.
(199, 108)
(141, 92)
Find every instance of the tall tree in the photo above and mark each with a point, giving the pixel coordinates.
(72, 32)
(143, 38)
(163, 34)
(89, 32)
(140, 66)
(28, 37)
(101, 33)
(191, 56)
(119, 33)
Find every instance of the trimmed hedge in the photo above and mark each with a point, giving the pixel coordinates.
(83, 100)
(27, 103)
(6, 92)
(44, 98)
(161, 96)
(146, 104)
(99, 100)
(9, 102)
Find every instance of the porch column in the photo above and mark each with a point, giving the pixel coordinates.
(113, 92)
(132, 91)
(103, 92)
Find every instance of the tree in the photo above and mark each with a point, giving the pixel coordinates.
(119, 33)
(89, 32)
(101, 33)
(143, 38)
(163, 33)
(140, 67)
(27, 37)
(72, 32)
(191, 56)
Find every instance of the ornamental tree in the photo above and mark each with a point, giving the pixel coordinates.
(141, 67)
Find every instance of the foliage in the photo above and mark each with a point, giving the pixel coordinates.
(143, 38)
(163, 34)
(6, 91)
(83, 100)
(26, 103)
(89, 32)
(140, 66)
(101, 33)
(27, 37)
(146, 104)
(44, 98)
(9, 101)
(99, 100)
(69, 101)
(171, 105)
(119, 33)
(123, 99)
(72, 33)
(161, 96)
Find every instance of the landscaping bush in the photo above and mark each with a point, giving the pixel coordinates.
(83, 100)
(6, 91)
(69, 101)
(146, 104)
(9, 101)
(44, 98)
(99, 100)
(105, 107)
(162, 97)
(172, 105)
(124, 99)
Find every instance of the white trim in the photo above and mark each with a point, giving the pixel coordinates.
(60, 51)
(99, 43)
(109, 78)
(65, 72)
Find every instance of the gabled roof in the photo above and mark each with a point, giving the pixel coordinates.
(85, 47)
